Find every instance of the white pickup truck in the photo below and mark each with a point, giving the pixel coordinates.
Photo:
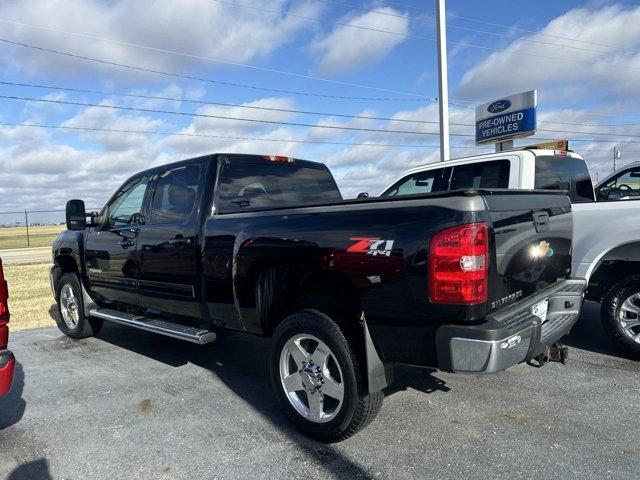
(606, 239)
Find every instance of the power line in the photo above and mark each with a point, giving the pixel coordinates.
(201, 79)
(210, 59)
(223, 104)
(609, 125)
(560, 37)
(227, 137)
(225, 117)
(280, 140)
(315, 142)
(289, 92)
(475, 30)
(462, 44)
(509, 27)
(361, 9)
(253, 120)
(294, 124)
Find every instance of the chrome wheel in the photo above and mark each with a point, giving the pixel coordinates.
(69, 306)
(311, 378)
(629, 317)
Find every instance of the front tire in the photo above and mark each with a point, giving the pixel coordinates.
(71, 319)
(318, 380)
(620, 312)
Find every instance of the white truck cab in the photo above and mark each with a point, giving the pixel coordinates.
(521, 169)
(606, 240)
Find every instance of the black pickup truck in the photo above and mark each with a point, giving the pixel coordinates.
(463, 281)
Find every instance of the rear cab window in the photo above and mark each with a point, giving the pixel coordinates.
(556, 172)
(249, 183)
(493, 174)
(485, 174)
(417, 183)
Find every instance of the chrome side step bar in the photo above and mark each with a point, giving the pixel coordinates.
(181, 332)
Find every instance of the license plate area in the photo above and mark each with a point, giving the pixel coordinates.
(540, 310)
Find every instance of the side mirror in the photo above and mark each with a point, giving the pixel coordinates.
(75, 215)
(363, 195)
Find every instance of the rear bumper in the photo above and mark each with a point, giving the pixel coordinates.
(7, 364)
(511, 335)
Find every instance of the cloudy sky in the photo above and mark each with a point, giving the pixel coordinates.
(297, 69)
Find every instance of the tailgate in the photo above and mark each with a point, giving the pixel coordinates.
(533, 233)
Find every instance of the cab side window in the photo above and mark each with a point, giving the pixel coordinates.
(175, 195)
(421, 182)
(481, 175)
(126, 207)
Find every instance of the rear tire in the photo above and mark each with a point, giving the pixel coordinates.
(325, 395)
(620, 313)
(71, 319)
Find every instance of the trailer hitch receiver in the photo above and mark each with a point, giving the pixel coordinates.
(558, 353)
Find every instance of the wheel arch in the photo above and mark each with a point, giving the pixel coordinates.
(282, 292)
(62, 264)
(611, 267)
(68, 264)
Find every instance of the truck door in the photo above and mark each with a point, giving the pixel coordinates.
(168, 248)
(110, 251)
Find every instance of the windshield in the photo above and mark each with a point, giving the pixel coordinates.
(625, 184)
(555, 172)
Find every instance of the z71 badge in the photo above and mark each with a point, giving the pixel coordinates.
(371, 246)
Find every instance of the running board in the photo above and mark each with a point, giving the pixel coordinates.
(181, 332)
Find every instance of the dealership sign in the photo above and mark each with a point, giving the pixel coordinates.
(507, 118)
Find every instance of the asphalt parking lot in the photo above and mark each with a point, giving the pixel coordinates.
(130, 404)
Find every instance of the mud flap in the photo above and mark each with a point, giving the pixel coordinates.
(379, 374)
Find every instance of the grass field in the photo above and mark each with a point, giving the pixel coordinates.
(41, 236)
(30, 301)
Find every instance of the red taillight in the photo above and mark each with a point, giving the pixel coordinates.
(459, 265)
(4, 296)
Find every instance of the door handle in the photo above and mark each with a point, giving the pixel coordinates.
(127, 243)
(180, 242)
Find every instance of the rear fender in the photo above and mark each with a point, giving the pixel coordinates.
(273, 305)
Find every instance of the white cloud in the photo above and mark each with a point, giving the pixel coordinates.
(587, 71)
(347, 48)
(111, 119)
(231, 128)
(197, 27)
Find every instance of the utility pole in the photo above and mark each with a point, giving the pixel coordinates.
(443, 84)
(616, 157)
(26, 222)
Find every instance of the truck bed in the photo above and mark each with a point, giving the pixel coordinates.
(310, 245)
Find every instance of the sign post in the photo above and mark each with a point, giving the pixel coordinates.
(503, 120)
(443, 86)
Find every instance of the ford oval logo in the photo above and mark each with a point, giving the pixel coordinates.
(499, 106)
